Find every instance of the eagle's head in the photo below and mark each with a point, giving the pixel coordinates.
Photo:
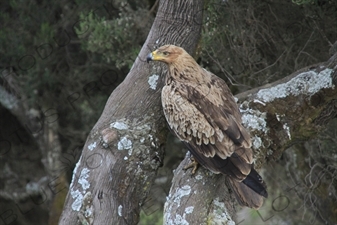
(168, 54)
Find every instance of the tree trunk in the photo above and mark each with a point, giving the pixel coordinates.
(124, 149)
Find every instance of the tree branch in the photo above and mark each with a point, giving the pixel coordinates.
(278, 115)
(124, 149)
(41, 124)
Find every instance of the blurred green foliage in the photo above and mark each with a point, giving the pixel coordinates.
(58, 48)
(116, 40)
(155, 218)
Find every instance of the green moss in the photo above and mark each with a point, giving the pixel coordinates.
(155, 218)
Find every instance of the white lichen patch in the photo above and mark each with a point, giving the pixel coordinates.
(78, 196)
(179, 220)
(89, 212)
(142, 128)
(146, 127)
(124, 144)
(87, 209)
(74, 172)
(258, 101)
(138, 171)
(153, 80)
(8, 100)
(120, 208)
(256, 142)
(92, 146)
(130, 151)
(287, 129)
(198, 177)
(150, 137)
(305, 83)
(172, 219)
(219, 214)
(83, 179)
(75, 193)
(254, 119)
(119, 125)
(181, 192)
(189, 209)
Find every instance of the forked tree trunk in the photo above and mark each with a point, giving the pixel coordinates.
(125, 148)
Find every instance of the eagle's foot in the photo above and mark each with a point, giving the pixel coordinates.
(193, 164)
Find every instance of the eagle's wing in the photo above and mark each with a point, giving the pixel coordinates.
(206, 118)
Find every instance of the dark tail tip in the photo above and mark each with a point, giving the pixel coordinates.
(255, 182)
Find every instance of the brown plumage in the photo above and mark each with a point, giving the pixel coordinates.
(200, 109)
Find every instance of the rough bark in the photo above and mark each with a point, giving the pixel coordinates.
(124, 149)
(278, 116)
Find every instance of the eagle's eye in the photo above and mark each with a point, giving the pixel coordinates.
(166, 53)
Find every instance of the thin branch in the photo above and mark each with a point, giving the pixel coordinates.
(224, 71)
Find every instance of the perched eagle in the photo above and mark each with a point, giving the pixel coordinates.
(200, 109)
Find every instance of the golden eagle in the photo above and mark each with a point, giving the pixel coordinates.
(200, 109)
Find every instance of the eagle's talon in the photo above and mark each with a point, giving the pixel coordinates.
(193, 164)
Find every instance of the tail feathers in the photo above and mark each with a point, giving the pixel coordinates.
(246, 196)
(250, 191)
(255, 182)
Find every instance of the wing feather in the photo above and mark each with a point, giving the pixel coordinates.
(212, 119)
(206, 117)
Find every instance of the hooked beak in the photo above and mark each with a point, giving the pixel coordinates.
(149, 57)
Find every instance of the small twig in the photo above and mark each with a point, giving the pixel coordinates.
(305, 45)
(227, 74)
(271, 65)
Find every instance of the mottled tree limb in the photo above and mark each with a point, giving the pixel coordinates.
(124, 149)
